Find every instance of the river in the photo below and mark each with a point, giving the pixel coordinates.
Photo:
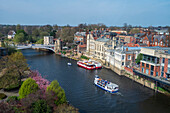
(84, 95)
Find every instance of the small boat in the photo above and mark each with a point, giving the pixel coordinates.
(105, 85)
(69, 64)
(89, 64)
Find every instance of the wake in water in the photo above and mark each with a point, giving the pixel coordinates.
(118, 93)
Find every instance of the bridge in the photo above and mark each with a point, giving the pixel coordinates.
(36, 46)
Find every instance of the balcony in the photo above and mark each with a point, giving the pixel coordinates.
(150, 62)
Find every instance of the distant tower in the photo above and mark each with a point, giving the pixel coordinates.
(58, 45)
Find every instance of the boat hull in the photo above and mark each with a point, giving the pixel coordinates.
(84, 66)
(81, 64)
(106, 89)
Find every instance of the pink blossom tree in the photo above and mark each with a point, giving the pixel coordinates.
(42, 82)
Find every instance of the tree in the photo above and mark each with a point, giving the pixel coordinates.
(139, 58)
(67, 34)
(41, 106)
(18, 27)
(40, 41)
(42, 34)
(35, 33)
(19, 38)
(29, 86)
(14, 67)
(59, 92)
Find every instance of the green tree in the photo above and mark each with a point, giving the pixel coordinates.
(59, 92)
(41, 106)
(42, 34)
(139, 58)
(40, 41)
(29, 86)
(13, 67)
(36, 33)
(19, 38)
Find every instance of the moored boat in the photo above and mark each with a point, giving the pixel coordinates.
(105, 85)
(90, 64)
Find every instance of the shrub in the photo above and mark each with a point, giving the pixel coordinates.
(12, 87)
(2, 96)
(84, 57)
(12, 98)
(66, 108)
(59, 92)
(29, 86)
(41, 106)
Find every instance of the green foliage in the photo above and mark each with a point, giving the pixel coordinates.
(12, 87)
(59, 92)
(41, 106)
(40, 41)
(36, 33)
(13, 68)
(84, 57)
(67, 34)
(42, 34)
(139, 58)
(65, 108)
(2, 96)
(29, 86)
(64, 52)
(19, 38)
(11, 50)
(12, 98)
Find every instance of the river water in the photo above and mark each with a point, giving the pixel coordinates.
(84, 95)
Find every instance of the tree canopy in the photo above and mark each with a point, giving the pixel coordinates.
(13, 68)
(29, 86)
(59, 92)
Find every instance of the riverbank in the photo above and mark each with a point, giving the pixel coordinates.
(129, 74)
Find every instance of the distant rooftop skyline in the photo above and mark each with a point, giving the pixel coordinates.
(74, 12)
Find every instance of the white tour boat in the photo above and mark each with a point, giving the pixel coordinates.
(89, 64)
(105, 85)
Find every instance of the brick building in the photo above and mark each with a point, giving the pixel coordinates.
(155, 62)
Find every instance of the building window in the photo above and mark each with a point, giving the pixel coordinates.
(122, 57)
(163, 60)
(122, 63)
(147, 71)
(81, 43)
(129, 57)
(142, 70)
(147, 65)
(162, 68)
(162, 74)
(168, 61)
(156, 73)
(152, 67)
(151, 72)
(142, 64)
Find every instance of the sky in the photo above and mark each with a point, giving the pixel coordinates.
(74, 12)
